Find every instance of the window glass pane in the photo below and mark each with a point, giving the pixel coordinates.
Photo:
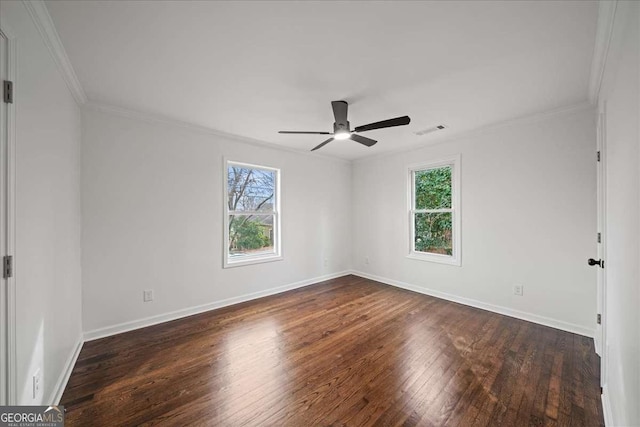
(250, 189)
(434, 233)
(433, 188)
(251, 235)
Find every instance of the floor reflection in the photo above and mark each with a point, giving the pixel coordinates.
(253, 366)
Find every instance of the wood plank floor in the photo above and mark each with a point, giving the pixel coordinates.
(347, 352)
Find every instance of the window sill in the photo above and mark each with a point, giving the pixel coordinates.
(440, 259)
(252, 260)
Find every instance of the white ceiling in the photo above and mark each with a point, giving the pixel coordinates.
(253, 68)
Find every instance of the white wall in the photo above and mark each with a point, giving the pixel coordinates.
(152, 219)
(528, 217)
(621, 94)
(47, 256)
(152, 206)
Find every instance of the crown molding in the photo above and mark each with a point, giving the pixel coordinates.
(606, 17)
(521, 120)
(43, 22)
(157, 118)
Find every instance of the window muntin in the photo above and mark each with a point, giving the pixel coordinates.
(252, 217)
(434, 211)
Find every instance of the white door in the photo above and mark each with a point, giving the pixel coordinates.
(4, 321)
(600, 265)
(7, 222)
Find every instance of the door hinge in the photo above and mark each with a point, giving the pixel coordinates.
(7, 91)
(598, 156)
(600, 390)
(7, 266)
(599, 319)
(599, 237)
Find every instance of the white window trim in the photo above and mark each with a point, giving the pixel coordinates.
(456, 257)
(277, 244)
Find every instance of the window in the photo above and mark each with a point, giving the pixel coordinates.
(434, 211)
(252, 214)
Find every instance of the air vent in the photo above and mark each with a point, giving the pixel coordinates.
(429, 130)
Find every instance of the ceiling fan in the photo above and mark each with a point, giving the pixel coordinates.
(342, 131)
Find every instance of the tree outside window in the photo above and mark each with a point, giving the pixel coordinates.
(434, 211)
(252, 213)
(433, 226)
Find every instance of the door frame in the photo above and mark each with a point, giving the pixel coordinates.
(601, 329)
(8, 351)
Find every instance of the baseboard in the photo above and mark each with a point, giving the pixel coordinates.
(154, 320)
(522, 315)
(61, 384)
(606, 407)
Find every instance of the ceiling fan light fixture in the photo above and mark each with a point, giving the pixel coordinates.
(341, 134)
(342, 129)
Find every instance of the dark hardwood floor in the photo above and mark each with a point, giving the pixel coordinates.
(347, 352)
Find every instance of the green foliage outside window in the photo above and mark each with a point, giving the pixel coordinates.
(433, 230)
(433, 188)
(247, 234)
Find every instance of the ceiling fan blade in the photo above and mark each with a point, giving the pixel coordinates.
(304, 132)
(322, 145)
(398, 121)
(340, 111)
(362, 140)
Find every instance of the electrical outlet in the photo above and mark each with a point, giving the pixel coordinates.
(518, 290)
(366, 260)
(147, 295)
(37, 382)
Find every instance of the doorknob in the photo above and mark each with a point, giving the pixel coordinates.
(592, 261)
